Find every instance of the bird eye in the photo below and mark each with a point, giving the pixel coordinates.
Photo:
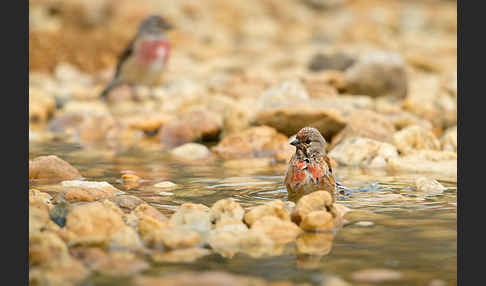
(307, 141)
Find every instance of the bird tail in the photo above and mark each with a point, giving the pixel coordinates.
(108, 88)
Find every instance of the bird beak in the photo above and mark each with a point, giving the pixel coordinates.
(294, 142)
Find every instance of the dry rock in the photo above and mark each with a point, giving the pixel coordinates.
(52, 167)
(331, 61)
(191, 126)
(448, 141)
(255, 142)
(289, 119)
(41, 105)
(284, 92)
(191, 151)
(415, 138)
(366, 124)
(378, 74)
(363, 152)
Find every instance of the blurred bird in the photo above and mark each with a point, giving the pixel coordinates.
(145, 57)
(309, 168)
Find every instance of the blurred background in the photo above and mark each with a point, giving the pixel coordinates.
(226, 53)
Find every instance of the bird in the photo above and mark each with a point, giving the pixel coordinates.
(309, 168)
(145, 57)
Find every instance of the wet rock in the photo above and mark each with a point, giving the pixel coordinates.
(127, 202)
(120, 264)
(314, 243)
(130, 179)
(125, 239)
(334, 281)
(377, 275)
(255, 142)
(227, 208)
(426, 161)
(363, 152)
(172, 238)
(190, 216)
(52, 167)
(278, 230)
(191, 126)
(146, 225)
(429, 186)
(41, 105)
(256, 243)
(95, 223)
(364, 223)
(46, 247)
(146, 218)
(166, 185)
(148, 210)
(226, 243)
(290, 119)
(51, 262)
(283, 92)
(69, 272)
(336, 61)
(415, 138)
(275, 208)
(448, 141)
(191, 151)
(378, 74)
(315, 201)
(187, 255)
(35, 195)
(318, 221)
(59, 212)
(38, 216)
(366, 124)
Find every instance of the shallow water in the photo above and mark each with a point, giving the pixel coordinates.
(413, 234)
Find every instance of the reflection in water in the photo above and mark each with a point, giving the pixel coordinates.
(410, 232)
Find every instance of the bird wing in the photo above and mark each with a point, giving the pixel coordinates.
(127, 52)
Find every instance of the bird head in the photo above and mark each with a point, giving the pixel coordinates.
(154, 25)
(309, 140)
